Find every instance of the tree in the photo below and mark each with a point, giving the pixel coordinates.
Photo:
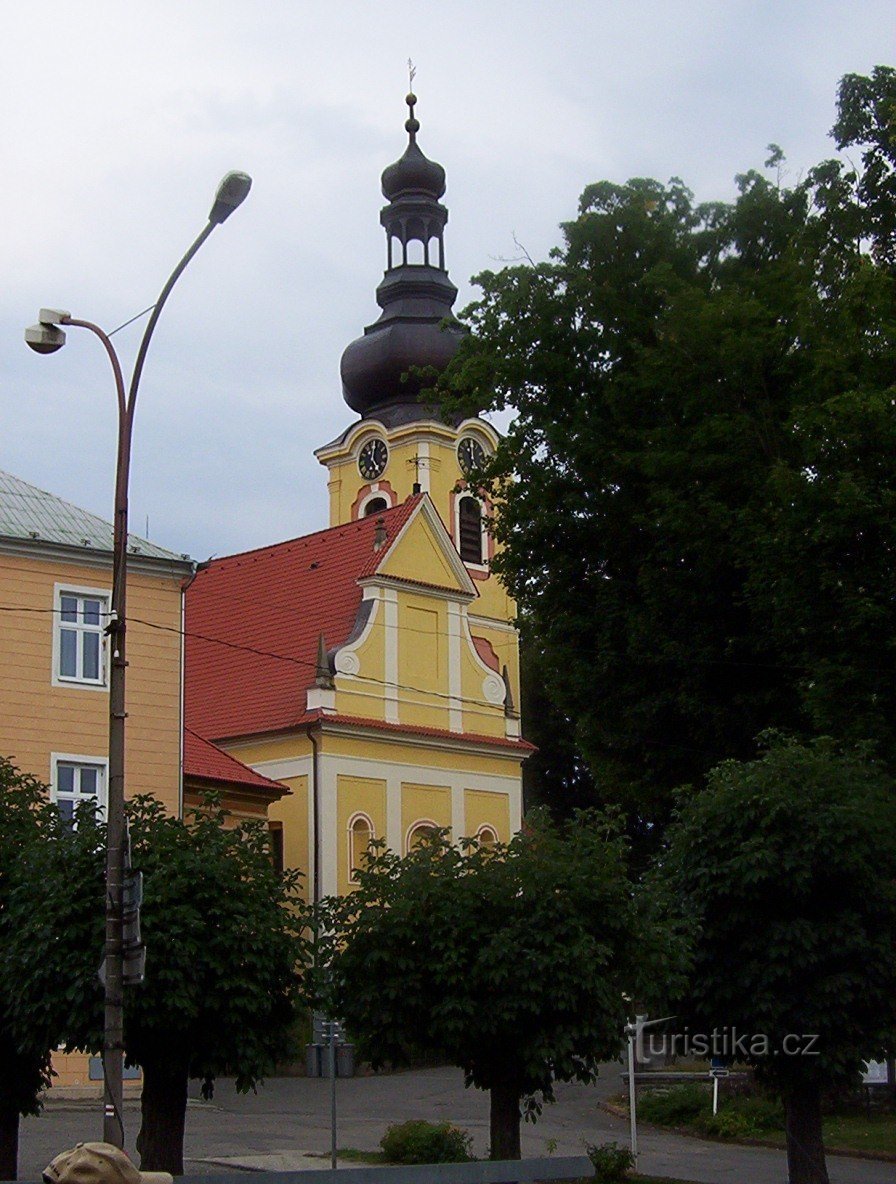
(225, 951)
(556, 775)
(51, 937)
(786, 869)
(697, 515)
(508, 962)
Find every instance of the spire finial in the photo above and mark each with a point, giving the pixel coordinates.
(412, 125)
(509, 707)
(323, 675)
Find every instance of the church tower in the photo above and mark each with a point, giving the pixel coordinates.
(400, 446)
(387, 705)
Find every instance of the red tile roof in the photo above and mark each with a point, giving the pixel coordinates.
(253, 621)
(207, 762)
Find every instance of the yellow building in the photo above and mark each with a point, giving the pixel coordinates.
(55, 593)
(372, 667)
(55, 589)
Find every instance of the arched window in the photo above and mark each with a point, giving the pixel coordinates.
(376, 505)
(418, 833)
(470, 530)
(486, 836)
(360, 836)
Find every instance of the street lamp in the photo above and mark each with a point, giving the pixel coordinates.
(47, 337)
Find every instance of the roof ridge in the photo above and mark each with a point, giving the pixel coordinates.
(357, 524)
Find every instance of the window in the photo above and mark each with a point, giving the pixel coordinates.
(79, 640)
(78, 779)
(275, 835)
(486, 836)
(419, 833)
(360, 836)
(470, 530)
(376, 505)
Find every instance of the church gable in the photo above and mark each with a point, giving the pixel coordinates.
(424, 554)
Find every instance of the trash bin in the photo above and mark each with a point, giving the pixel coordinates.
(345, 1061)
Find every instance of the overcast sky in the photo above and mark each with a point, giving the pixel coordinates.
(119, 119)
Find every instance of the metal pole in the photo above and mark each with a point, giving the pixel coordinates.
(632, 1114)
(113, 1016)
(715, 1095)
(333, 1030)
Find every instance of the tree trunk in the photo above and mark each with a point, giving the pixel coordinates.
(163, 1115)
(805, 1145)
(9, 1141)
(504, 1122)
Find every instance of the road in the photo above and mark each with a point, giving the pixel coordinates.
(290, 1117)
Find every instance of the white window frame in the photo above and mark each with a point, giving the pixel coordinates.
(358, 816)
(420, 824)
(368, 498)
(80, 760)
(82, 592)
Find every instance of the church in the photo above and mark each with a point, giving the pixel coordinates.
(372, 668)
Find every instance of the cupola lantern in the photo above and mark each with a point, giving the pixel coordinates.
(415, 295)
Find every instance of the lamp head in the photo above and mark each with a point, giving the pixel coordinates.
(231, 193)
(46, 337)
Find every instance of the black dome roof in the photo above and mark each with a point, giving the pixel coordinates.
(413, 174)
(415, 329)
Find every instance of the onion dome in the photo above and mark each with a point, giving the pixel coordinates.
(416, 295)
(413, 173)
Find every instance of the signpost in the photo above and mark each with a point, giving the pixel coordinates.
(717, 1070)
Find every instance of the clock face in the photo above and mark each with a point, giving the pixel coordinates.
(470, 453)
(372, 459)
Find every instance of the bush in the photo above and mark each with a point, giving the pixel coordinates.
(426, 1142)
(674, 1107)
(612, 1163)
(727, 1124)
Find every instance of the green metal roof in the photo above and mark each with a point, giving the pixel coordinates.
(32, 514)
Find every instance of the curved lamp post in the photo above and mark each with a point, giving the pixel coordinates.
(46, 337)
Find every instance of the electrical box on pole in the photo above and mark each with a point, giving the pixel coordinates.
(133, 951)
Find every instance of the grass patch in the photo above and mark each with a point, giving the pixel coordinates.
(357, 1155)
(689, 1108)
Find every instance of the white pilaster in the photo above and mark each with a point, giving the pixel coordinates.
(393, 813)
(455, 705)
(390, 606)
(328, 824)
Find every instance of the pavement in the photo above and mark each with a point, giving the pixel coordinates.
(285, 1126)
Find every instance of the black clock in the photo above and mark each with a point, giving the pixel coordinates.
(471, 454)
(372, 459)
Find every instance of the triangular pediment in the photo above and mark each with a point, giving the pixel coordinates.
(423, 553)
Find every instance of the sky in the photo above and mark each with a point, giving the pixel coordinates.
(117, 121)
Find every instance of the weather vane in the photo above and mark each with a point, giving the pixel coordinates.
(412, 70)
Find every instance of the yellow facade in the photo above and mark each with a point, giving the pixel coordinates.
(51, 723)
(45, 720)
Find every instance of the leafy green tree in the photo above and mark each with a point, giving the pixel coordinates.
(785, 867)
(51, 939)
(697, 487)
(225, 953)
(508, 962)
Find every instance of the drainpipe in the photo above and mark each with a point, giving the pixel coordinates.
(315, 803)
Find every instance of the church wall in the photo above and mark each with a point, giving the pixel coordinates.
(484, 809)
(294, 812)
(424, 804)
(357, 795)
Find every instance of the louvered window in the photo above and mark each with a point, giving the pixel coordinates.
(470, 530)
